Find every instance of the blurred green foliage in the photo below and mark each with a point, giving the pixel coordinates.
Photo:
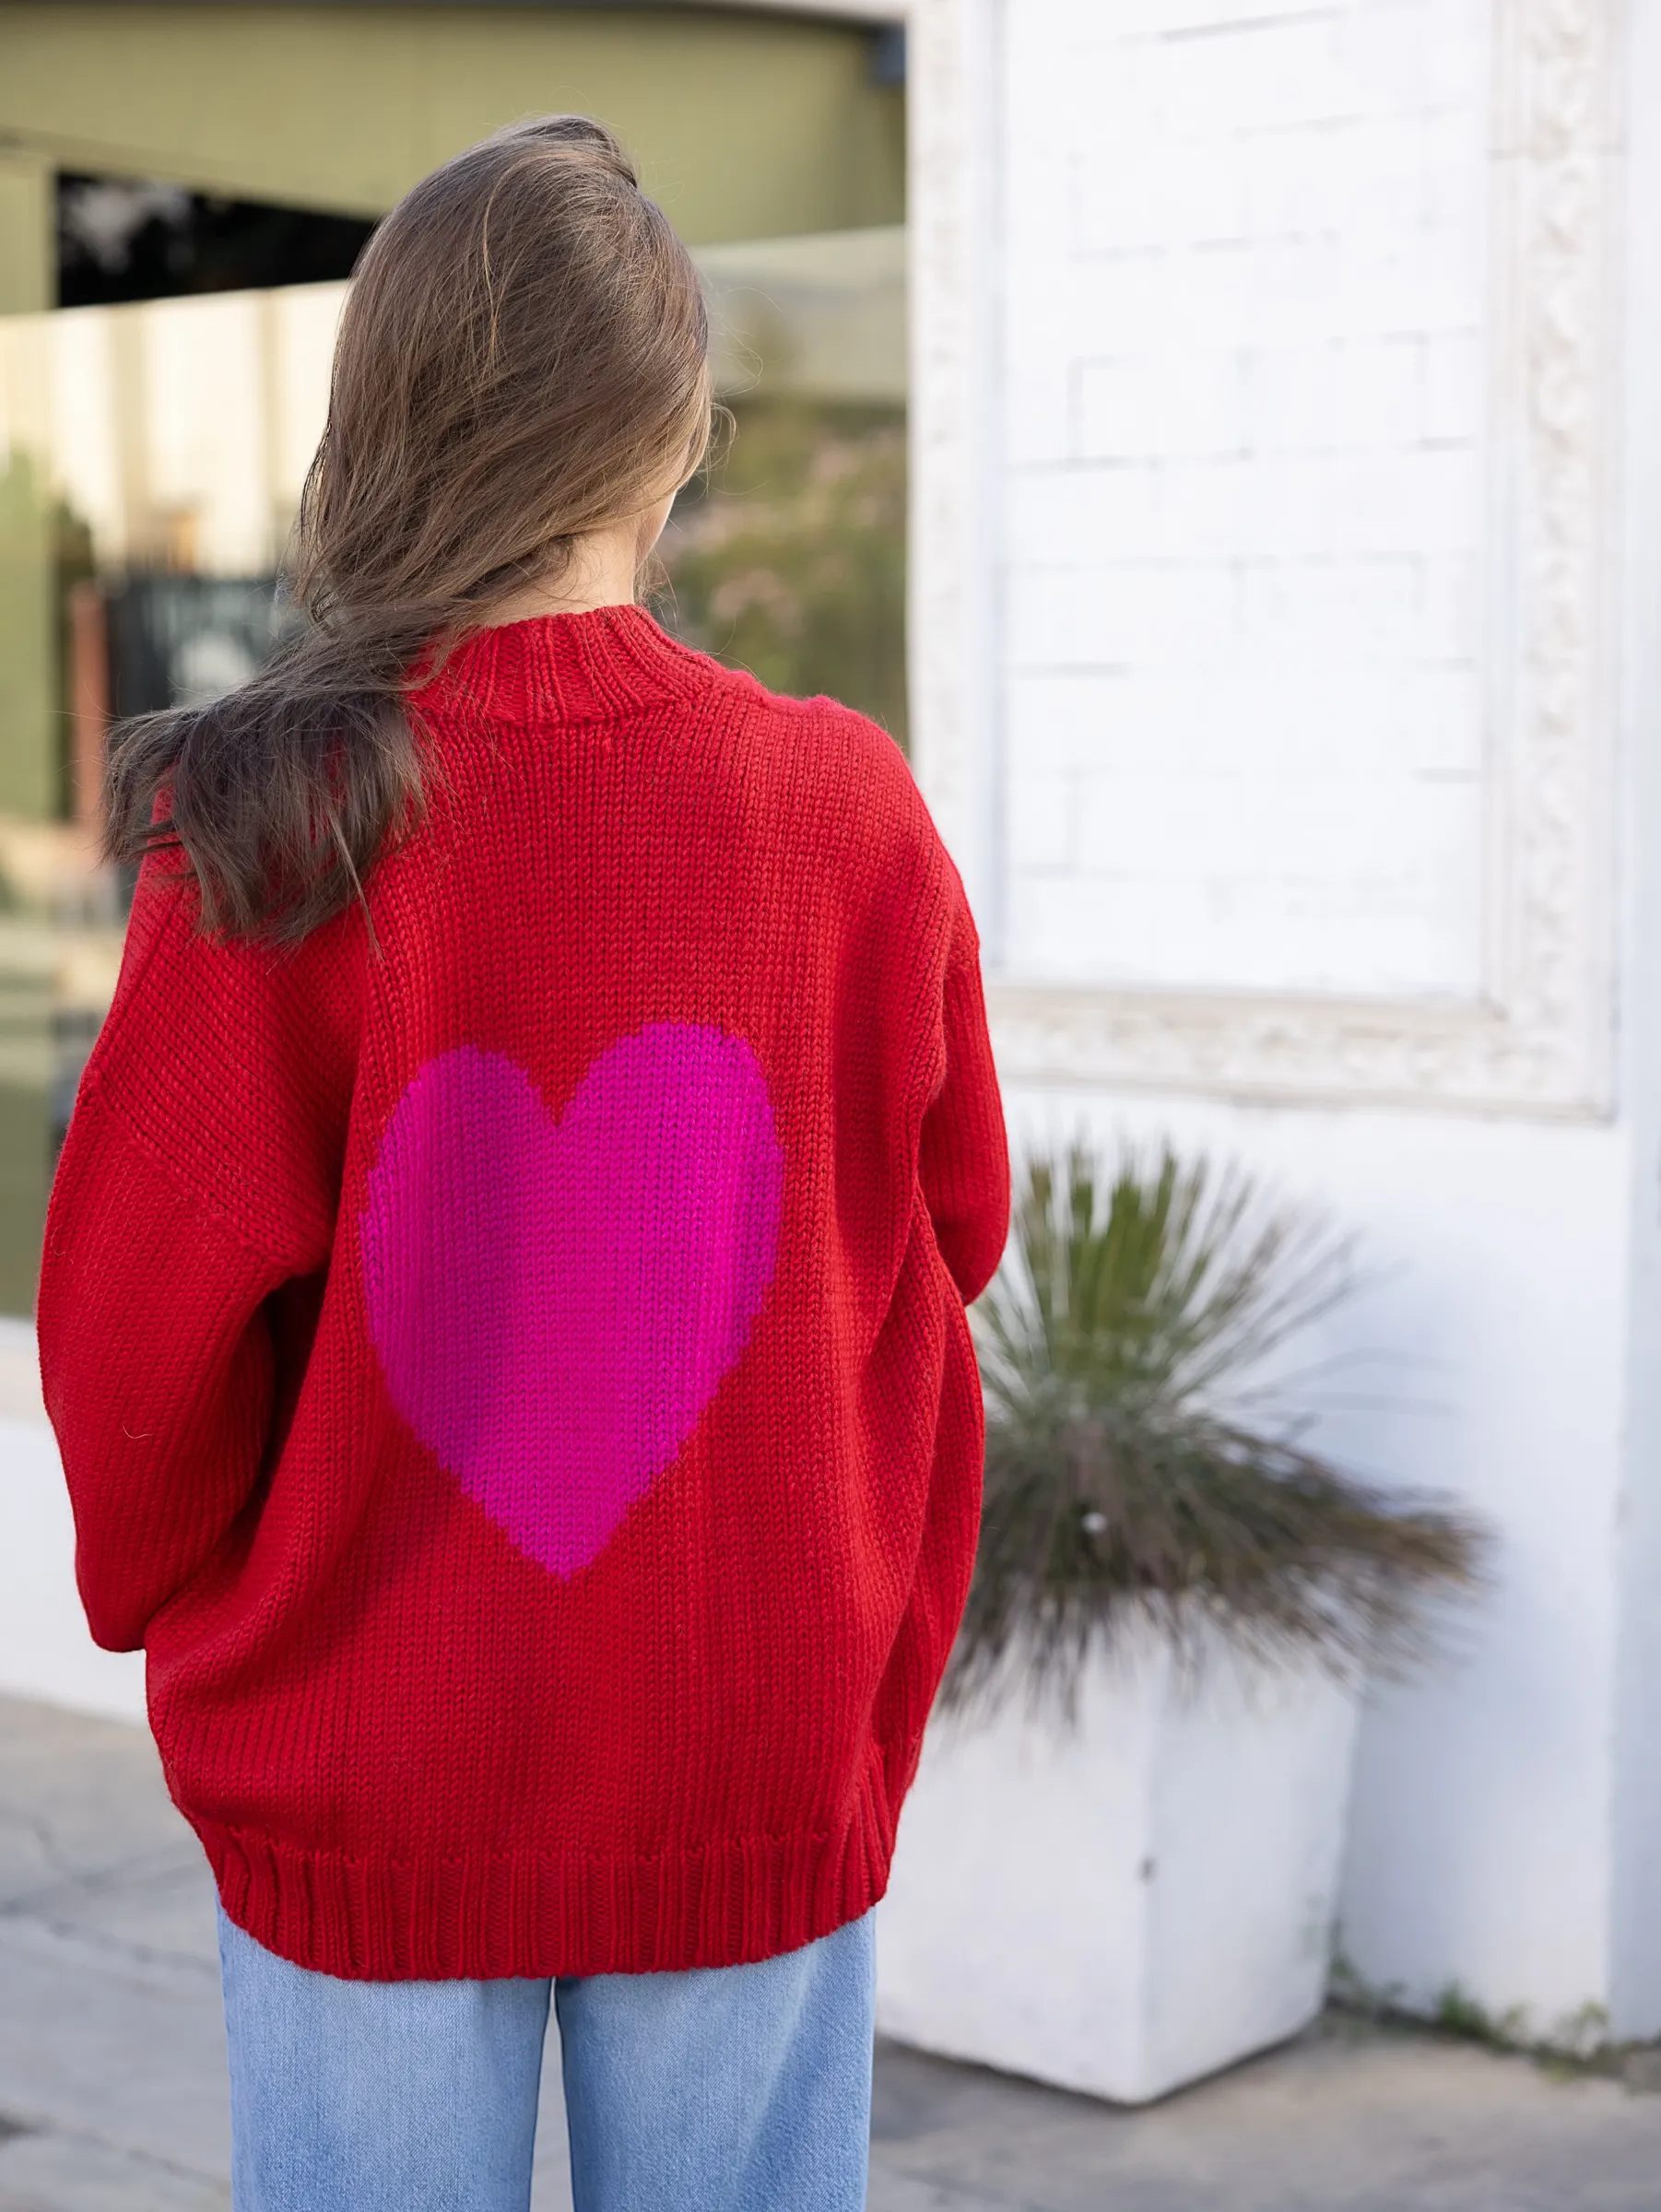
(787, 556)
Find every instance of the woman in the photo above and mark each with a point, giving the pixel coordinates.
(504, 1298)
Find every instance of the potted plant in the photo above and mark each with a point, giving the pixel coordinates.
(1118, 1867)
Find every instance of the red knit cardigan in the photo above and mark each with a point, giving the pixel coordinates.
(509, 1353)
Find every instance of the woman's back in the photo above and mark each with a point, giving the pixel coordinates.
(593, 1220)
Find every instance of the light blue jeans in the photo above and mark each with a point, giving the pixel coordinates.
(739, 2088)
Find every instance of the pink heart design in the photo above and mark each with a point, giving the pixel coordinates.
(555, 1302)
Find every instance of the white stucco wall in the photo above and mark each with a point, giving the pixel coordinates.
(1283, 563)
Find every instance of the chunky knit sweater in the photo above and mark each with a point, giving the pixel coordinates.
(509, 1355)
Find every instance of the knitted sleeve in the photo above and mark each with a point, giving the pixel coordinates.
(198, 1177)
(964, 1156)
(156, 1364)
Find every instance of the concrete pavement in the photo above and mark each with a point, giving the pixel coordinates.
(113, 2092)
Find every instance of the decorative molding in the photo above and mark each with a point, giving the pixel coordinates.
(1252, 1045)
(1539, 1040)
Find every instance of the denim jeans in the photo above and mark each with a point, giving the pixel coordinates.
(739, 2088)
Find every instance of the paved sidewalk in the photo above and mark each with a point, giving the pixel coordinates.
(112, 2096)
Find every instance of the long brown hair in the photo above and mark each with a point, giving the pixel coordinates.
(523, 357)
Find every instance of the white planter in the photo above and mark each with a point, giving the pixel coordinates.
(1127, 1907)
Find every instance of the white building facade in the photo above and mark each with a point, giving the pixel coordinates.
(1287, 405)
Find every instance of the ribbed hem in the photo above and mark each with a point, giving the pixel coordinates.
(484, 1917)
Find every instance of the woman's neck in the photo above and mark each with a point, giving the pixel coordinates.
(600, 570)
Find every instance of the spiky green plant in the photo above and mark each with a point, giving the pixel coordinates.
(1135, 1465)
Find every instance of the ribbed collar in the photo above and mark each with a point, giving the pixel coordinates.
(565, 668)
